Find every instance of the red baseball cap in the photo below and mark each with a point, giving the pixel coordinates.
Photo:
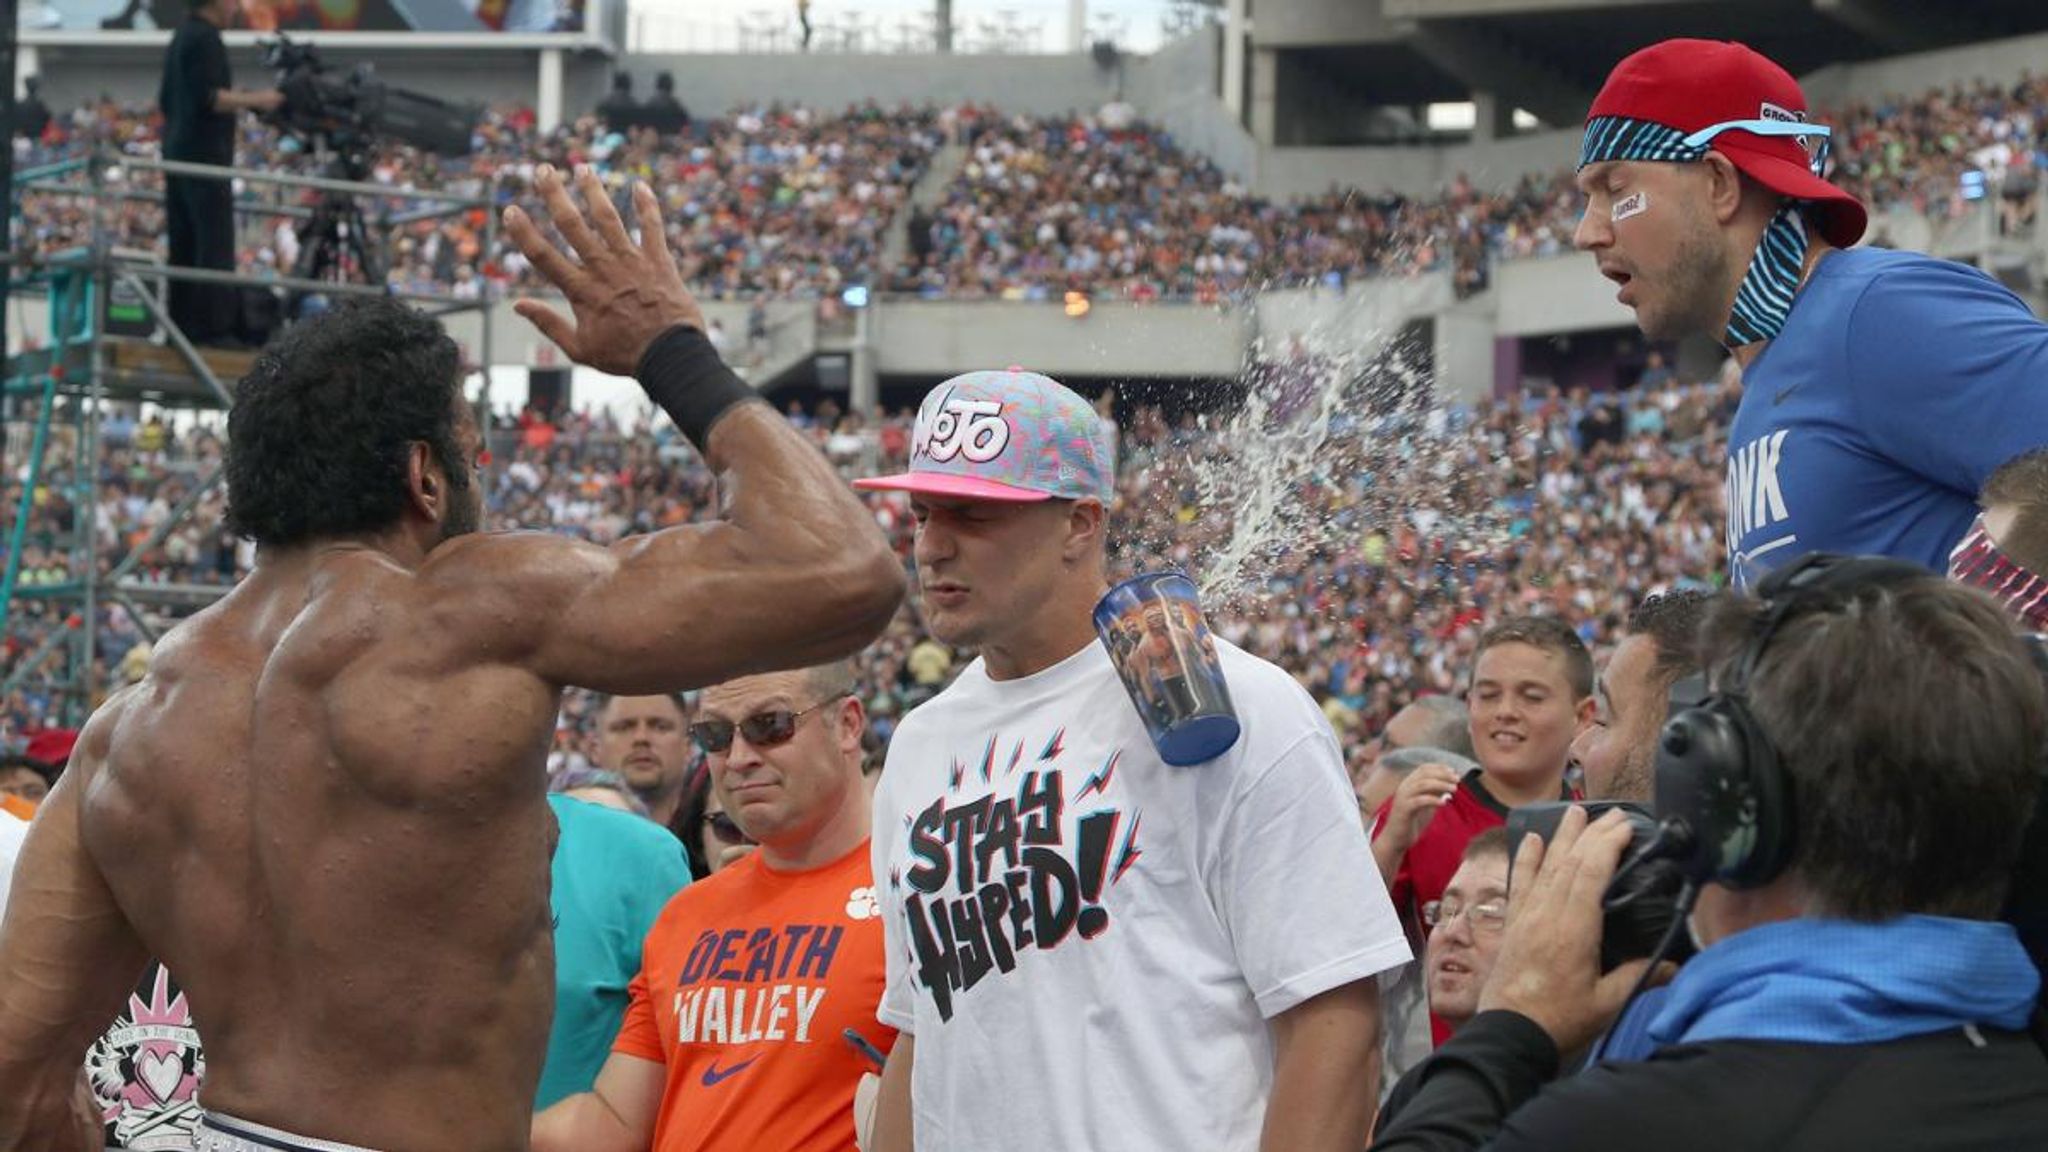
(1692, 85)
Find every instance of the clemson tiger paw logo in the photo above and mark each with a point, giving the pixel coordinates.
(862, 905)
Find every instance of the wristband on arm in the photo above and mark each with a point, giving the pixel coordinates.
(683, 374)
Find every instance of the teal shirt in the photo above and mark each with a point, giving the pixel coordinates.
(613, 874)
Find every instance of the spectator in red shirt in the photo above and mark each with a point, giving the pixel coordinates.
(1532, 694)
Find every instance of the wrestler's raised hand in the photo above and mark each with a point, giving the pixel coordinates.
(623, 294)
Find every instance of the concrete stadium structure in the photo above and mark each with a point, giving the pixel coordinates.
(1294, 98)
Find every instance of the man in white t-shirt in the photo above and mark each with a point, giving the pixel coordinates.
(1087, 948)
(13, 830)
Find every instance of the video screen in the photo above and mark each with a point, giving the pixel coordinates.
(524, 16)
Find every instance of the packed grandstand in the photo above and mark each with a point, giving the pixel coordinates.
(794, 203)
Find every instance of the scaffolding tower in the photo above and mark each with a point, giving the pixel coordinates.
(81, 372)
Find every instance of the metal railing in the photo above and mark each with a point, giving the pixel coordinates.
(75, 375)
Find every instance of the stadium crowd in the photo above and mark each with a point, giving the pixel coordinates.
(1381, 603)
(779, 202)
(796, 202)
(1505, 591)
(793, 202)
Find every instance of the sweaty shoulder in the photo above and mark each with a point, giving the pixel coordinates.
(509, 561)
(487, 586)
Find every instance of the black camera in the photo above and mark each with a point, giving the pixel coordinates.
(348, 110)
(1641, 901)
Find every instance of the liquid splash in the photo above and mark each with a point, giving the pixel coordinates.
(1340, 452)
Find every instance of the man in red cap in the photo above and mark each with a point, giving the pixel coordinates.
(1881, 389)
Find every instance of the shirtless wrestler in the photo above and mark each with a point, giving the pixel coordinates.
(325, 806)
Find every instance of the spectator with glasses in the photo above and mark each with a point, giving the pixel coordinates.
(752, 1021)
(27, 780)
(710, 838)
(1464, 936)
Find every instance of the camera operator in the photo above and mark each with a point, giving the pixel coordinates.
(1654, 669)
(200, 104)
(1854, 987)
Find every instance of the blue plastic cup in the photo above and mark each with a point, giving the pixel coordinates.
(1159, 642)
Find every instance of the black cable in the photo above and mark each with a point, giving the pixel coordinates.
(1681, 912)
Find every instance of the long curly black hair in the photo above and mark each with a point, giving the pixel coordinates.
(318, 434)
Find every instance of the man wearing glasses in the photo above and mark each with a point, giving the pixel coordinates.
(753, 1018)
(1464, 937)
(1881, 389)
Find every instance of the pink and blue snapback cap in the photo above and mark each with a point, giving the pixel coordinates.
(1006, 435)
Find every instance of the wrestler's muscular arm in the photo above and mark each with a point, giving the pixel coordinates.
(796, 573)
(67, 958)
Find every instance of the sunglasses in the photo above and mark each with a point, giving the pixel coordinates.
(762, 729)
(1818, 159)
(725, 829)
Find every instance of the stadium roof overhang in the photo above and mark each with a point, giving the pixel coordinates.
(1550, 56)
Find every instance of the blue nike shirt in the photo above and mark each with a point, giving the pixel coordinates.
(1899, 384)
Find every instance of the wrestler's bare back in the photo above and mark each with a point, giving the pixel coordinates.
(333, 829)
(324, 807)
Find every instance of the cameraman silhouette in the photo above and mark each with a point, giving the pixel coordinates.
(200, 104)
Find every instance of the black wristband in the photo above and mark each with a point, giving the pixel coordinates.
(683, 373)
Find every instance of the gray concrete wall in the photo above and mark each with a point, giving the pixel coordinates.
(1033, 85)
(1556, 294)
(1462, 355)
(932, 338)
(1317, 23)
(1998, 60)
(1414, 171)
(1177, 88)
(1361, 316)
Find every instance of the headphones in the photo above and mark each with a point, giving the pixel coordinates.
(1723, 795)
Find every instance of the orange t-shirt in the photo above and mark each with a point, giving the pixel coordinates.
(748, 982)
(26, 809)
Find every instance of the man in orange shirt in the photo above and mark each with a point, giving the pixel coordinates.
(736, 1036)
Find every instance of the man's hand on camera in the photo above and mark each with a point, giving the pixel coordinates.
(623, 294)
(1548, 968)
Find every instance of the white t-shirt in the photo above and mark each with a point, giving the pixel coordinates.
(13, 830)
(1184, 908)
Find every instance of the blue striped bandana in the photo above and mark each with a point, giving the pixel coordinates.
(1764, 299)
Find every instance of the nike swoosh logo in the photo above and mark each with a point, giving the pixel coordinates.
(713, 1077)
